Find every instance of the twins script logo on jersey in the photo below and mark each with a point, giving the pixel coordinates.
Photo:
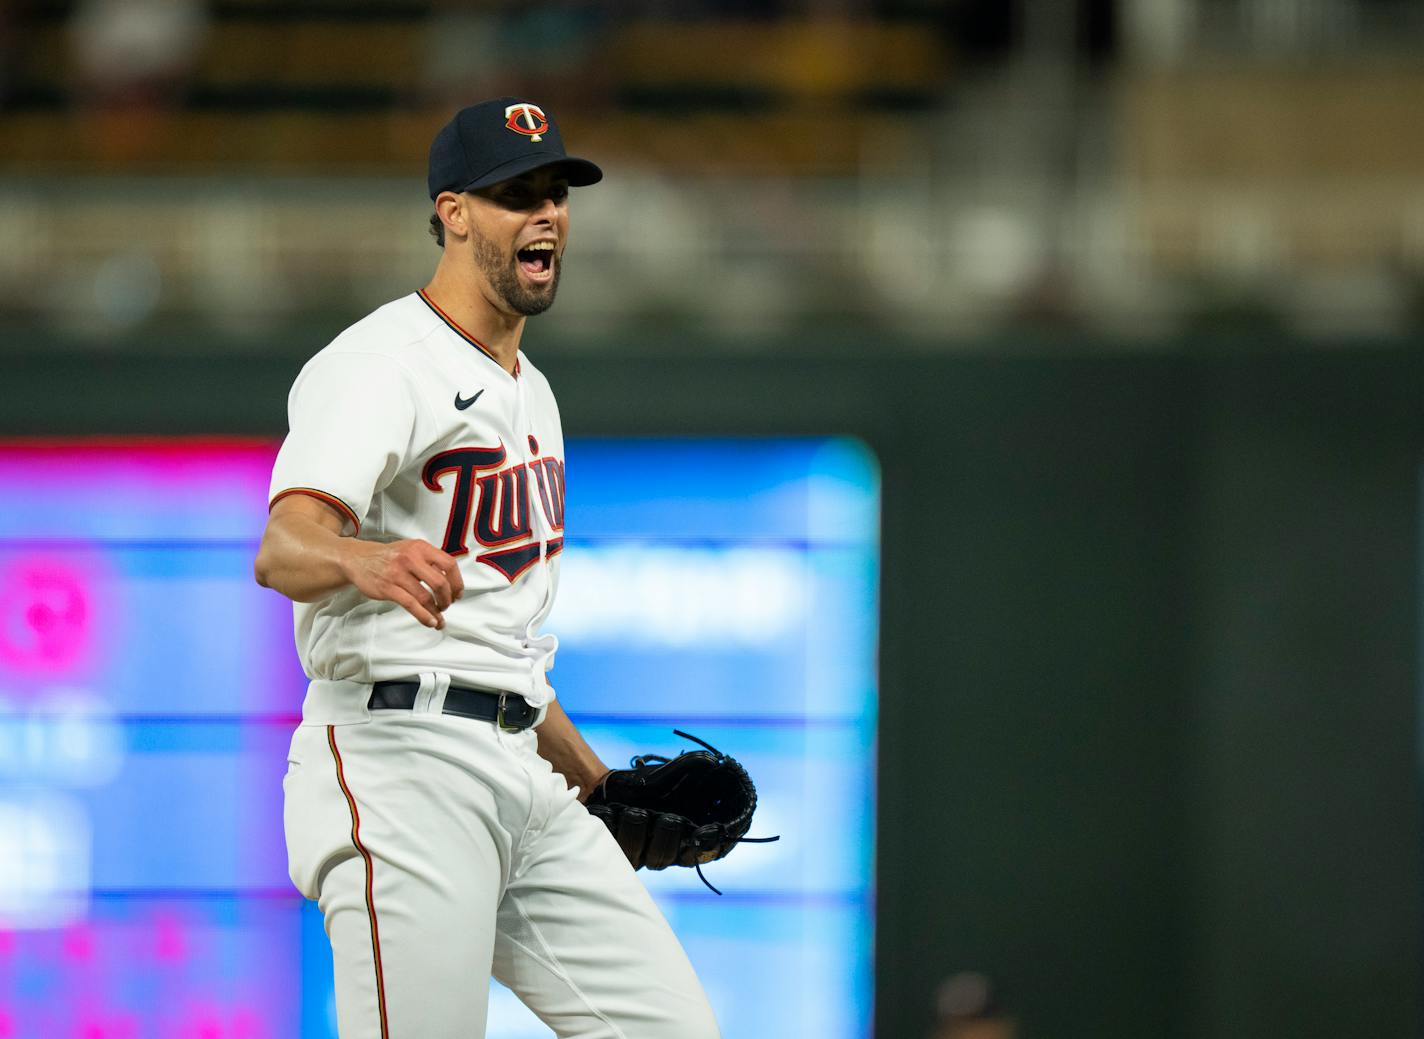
(502, 521)
(527, 119)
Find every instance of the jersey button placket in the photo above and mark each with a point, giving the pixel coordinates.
(539, 525)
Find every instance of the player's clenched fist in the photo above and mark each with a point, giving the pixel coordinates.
(413, 574)
(305, 556)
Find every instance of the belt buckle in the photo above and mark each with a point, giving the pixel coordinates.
(499, 716)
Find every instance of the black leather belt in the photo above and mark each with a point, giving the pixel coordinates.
(507, 710)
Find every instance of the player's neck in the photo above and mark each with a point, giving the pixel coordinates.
(463, 304)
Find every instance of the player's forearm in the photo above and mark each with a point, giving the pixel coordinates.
(304, 560)
(563, 747)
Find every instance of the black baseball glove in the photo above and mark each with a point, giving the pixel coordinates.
(680, 811)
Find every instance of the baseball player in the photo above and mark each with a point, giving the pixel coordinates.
(433, 791)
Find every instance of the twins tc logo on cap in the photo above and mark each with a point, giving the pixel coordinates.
(498, 139)
(527, 119)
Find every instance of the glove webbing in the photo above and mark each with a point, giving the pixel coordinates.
(660, 759)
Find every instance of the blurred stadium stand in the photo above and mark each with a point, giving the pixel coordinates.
(325, 87)
(957, 169)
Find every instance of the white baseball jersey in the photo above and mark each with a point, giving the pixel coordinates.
(409, 427)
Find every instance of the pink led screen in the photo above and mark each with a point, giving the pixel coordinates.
(147, 693)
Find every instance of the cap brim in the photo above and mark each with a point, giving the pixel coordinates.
(580, 172)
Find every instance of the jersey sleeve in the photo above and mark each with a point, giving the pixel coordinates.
(351, 419)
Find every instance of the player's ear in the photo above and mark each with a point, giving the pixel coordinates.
(451, 209)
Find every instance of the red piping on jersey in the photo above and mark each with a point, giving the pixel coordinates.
(455, 327)
(330, 499)
(370, 893)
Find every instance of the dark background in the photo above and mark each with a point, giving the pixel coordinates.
(1150, 644)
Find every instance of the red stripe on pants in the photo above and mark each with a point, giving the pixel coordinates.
(370, 894)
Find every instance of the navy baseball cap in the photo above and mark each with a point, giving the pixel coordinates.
(498, 139)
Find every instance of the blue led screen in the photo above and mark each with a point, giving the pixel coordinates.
(148, 689)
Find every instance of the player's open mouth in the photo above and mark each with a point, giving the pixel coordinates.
(537, 260)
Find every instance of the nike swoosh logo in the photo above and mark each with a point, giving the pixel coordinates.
(462, 403)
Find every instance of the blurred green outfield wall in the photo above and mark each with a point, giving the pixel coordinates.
(1149, 662)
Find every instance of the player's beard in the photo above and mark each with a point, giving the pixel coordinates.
(502, 272)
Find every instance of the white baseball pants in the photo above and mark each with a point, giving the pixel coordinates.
(443, 849)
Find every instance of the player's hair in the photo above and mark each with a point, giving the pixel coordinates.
(437, 229)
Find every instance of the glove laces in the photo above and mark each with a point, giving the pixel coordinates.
(737, 840)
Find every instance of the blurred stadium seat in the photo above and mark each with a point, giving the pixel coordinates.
(1123, 167)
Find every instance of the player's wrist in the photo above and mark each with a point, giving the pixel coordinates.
(350, 554)
(590, 785)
